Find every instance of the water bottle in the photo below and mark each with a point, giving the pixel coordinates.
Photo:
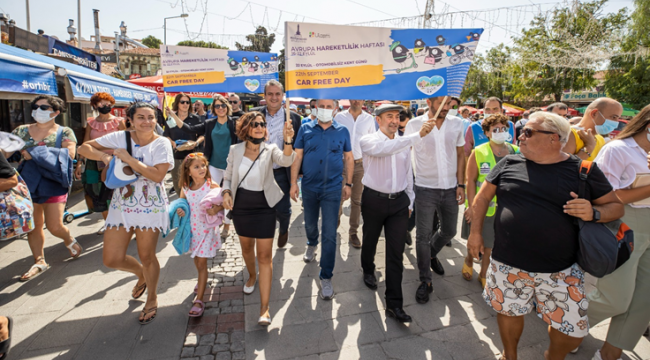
(171, 122)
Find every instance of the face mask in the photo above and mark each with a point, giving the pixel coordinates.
(314, 112)
(648, 134)
(42, 116)
(255, 141)
(607, 127)
(104, 109)
(325, 115)
(500, 138)
(453, 112)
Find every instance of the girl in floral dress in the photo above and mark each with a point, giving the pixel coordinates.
(196, 183)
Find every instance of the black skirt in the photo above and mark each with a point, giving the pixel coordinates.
(252, 215)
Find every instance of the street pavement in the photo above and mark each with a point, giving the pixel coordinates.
(82, 310)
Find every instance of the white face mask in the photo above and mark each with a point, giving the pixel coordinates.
(42, 116)
(325, 115)
(501, 137)
(314, 112)
(453, 112)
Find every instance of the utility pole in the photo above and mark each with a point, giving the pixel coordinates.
(429, 10)
(27, 12)
(79, 22)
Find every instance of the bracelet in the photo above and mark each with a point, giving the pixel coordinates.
(224, 192)
(461, 186)
(288, 143)
(584, 149)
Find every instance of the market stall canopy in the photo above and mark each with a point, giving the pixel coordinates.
(155, 83)
(23, 78)
(472, 110)
(509, 111)
(83, 82)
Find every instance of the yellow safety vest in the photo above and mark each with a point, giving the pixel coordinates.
(486, 162)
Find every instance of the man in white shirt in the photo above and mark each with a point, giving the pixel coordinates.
(387, 201)
(439, 188)
(349, 119)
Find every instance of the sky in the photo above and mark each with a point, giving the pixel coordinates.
(225, 22)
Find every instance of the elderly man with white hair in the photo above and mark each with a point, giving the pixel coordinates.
(536, 235)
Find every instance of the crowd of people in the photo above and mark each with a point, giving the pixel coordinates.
(401, 173)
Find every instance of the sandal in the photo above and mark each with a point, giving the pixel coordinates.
(198, 311)
(467, 271)
(75, 254)
(137, 291)
(41, 269)
(5, 344)
(144, 312)
(482, 281)
(224, 233)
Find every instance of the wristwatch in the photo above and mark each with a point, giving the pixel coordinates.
(287, 143)
(596, 216)
(461, 186)
(346, 184)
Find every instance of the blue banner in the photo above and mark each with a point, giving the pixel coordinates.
(356, 62)
(85, 88)
(191, 69)
(81, 57)
(27, 79)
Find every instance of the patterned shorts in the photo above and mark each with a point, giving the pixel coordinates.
(559, 298)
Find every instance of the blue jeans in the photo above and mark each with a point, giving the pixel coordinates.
(283, 207)
(327, 204)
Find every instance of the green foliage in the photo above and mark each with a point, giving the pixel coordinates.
(490, 74)
(204, 44)
(261, 41)
(152, 42)
(281, 67)
(628, 78)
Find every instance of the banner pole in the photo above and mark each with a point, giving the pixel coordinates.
(287, 109)
(444, 101)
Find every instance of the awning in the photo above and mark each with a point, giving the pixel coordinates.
(629, 112)
(22, 79)
(83, 82)
(570, 111)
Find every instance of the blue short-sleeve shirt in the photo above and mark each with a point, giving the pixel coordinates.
(322, 162)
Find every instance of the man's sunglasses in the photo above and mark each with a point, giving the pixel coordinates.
(255, 125)
(528, 132)
(43, 107)
(234, 102)
(184, 102)
(223, 106)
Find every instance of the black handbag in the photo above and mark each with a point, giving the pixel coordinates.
(229, 214)
(603, 247)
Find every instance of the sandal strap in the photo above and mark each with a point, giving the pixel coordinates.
(71, 247)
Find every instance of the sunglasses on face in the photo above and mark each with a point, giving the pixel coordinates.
(498, 130)
(193, 155)
(528, 132)
(234, 102)
(454, 107)
(222, 106)
(184, 102)
(255, 125)
(42, 107)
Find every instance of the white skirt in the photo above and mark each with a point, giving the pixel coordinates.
(146, 209)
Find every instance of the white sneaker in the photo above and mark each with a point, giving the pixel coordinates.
(598, 357)
(309, 254)
(326, 289)
(102, 230)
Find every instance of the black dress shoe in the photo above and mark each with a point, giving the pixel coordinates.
(436, 266)
(647, 332)
(448, 244)
(409, 239)
(398, 314)
(422, 294)
(370, 280)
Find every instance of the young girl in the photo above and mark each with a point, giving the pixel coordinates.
(196, 183)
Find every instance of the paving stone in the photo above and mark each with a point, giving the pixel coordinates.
(208, 339)
(223, 356)
(220, 347)
(222, 338)
(187, 352)
(239, 355)
(207, 357)
(202, 350)
(237, 346)
(237, 336)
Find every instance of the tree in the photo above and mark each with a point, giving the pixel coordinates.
(261, 41)
(564, 48)
(281, 68)
(201, 43)
(628, 78)
(491, 74)
(152, 42)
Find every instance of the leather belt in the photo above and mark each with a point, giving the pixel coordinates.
(358, 161)
(385, 195)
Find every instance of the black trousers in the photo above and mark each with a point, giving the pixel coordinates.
(391, 215)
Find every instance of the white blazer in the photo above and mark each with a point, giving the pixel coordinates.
(272, 155)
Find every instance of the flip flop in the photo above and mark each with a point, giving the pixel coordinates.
(197, 310)
(196, 288)
(146, 321)
(138, 290)
(75, 254)
(482, 281)
(5, 344)
(41, 267)
(467, 271)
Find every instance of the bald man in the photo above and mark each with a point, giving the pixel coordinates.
(601, 118)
